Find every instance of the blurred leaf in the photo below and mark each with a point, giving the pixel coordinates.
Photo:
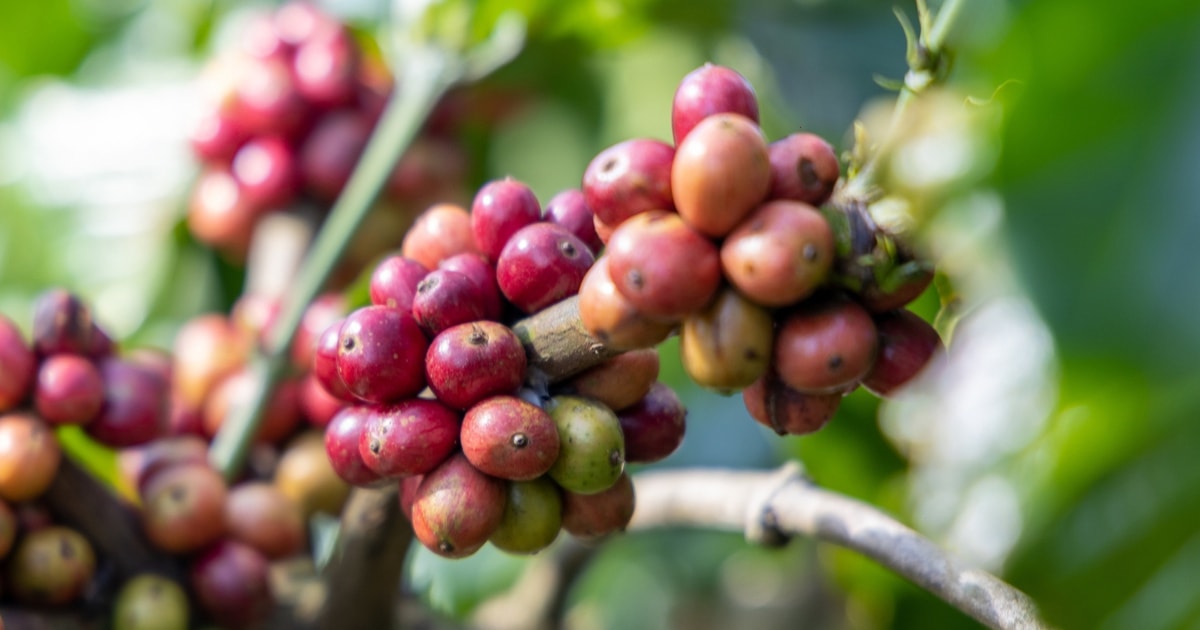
(95, 458)
(456, 587)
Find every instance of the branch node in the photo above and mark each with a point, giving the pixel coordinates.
(762, 522)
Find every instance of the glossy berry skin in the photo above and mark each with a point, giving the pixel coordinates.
(394, 282)
(787, 411)
(569, 209)
(440, 232)
(629, 178)
(500, 208)
(654, 426)
(906, 345)
(457, 508)
(18, 365)
(381, 354)
(483, 274)
(804, 167)
(317, 406)
(707, 90)
(266, 101)
(265, 169)
(183, 507)
(447, 298)
(509, 438)
(136, 404)
(410, 437)
(324, 367)
(342, 436)
(619, 382)
(325, 68)
(69, 390)
(593, 516)
(663, 267)
(779, 254)
(532, 517)
(62, 323)
(326, 309)
(542, 264)
(29, 456)
(720, 173)
(727, 346)
(469, 362)
(611, 318)
(825, 346)
(231, 582)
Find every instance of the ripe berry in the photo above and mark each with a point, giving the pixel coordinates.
(655, 426)
(258, 514)
(570, 210)
(727, 346)
(394, 282)
(51, 566)
(532, 517)
(447, 298)
(542, 264)
(265, 170)
(592, 516)
(720, 173)
(439, 233)
(324, 367)
(18, 365)
(804, 168)
(906, 345)
(317, 406)
(69, 390)
(707, 90)
(220, 214)
(231, 583)
(483, 274)
(136, 404)
(410, 437)
(664, 268)
(629, 178)
(609, 316)
(342, 437)
(592, 449)
(140, 464)
(620, 381)
(501, 207)
(779, 254)
(183, 507)
(266, 101)
(29, 456)
(457, 508)
(325, 68)
(469, 362)
(509, 438)
(62, 323)
(381, 354)
(326, 309)
(825, 345)
(331, 151)
(216, 137)
(207, 349)
(787, 411)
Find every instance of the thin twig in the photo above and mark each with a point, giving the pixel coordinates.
(774, 505)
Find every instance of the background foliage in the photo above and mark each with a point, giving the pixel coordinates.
(1071, 238)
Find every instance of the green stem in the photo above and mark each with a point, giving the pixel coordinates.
(427, 73)
(934, 40)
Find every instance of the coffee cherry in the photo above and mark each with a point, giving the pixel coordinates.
(787, 411)
(410, 437)
(298, 22)
(439, 233)
(877, 300)
(540, 265)
(231, 583)
(592, 452)
(603, 230)
(381, 354)
(183, 508)
(150, 602)
(629, 178)
(51, 566)
(906, 345)
(18, 365)
(259, 515)
(569, 210)
(62, 323)
(331, 151)
(620, 381)
(448, 298)
(207, 349)
(825, 346)
(804, 167)
(266, 101)
(305, 475)
(394, 282)
(532, 517)
(469, 362)
(664, 268)
(216, 137)
(317, 406)
(501, 207)
(135, 405)
(720, 173)
(29, 456)
(655, 426)
(509, 438)
(483, 274)
(326, 309)
(220, 214)
(343, 435)
(708, 90)
(608, 315)
(457, 508)
(266, 172)
(325, 67)
(139, 464)
(726, 346)
(779, 254)
(592, 516)
(69, 390)
(324, 367)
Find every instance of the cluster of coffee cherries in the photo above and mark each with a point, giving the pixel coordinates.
(438, 381)
(721, 238)
(287, 115)
(158, 410)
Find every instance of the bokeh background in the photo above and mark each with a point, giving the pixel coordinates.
(1055, 180)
